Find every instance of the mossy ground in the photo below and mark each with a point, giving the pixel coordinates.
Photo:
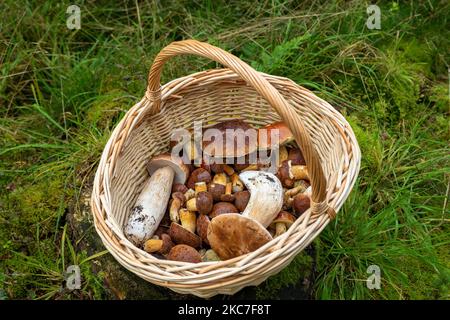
(63, 91)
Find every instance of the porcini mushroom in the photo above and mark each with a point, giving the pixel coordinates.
(188, 219)
(202, 227)
(231, 235)
(181, 235)
(282, 222)
(152, 202)
(296, 157)
(266, 133)
(301, 203)
(198, 175)
(266, 196)
(178, 200)
(202, 202)
(241, 199)
(229, 133)
(228, 196)
(217, 186)
(221, 208)
(185, 253)
(162, 245)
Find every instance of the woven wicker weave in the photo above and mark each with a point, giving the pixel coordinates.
(326, 139)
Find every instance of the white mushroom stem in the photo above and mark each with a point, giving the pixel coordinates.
(150, 206)
(266, 196)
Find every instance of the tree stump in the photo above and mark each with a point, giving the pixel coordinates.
(295, 282)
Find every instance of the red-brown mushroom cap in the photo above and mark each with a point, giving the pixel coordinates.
(241, 199)
(185, 253)
(180, 235)
(202, 227)
(301, 203)
(167, 160)
(221, 208)
(284, 217)
(296, 157)
(265, 133)
(232, 235)
(198, 175)
(231, 147)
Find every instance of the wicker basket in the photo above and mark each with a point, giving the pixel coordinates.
(326, 139)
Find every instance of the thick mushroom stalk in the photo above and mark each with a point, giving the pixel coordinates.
(150, 206)
(266, 196)
(152, 202)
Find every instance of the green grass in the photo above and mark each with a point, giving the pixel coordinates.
(63, 91)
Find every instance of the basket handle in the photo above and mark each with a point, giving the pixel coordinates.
(265, 89)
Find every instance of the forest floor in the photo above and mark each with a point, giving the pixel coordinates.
(62, 92)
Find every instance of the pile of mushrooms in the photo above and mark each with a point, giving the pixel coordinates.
(211, 212)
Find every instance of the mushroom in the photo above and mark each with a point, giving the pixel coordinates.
(152, 202)
(181, 235)
(179, 187)
(198, 175)
(301, 203)
(185, 253)
(217, 186)
(178, 200)
(296, 156)
(266, 196)
(241, 199)
(202, 202)
(288, 173)
(229, 146)
(265, 133)
(300, 186)
(188, 219)
(228, 196)
(228, 170)
(236, 183)
(231, 235)
(284, 175)
(202, 227)
(161, 246)
(282, 222)
(221, 208)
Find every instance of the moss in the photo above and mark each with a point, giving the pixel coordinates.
(34, 208)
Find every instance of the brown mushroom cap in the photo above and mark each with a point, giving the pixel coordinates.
(185, 253)
(216, 190)
(202, 227)
(231, 148)
(221, 208)
(265, 133)
(232, 235)
(198, 175)
(241, 199)
(296, 157)
(284, 174)
(204, 202)
(301, 203)
(179, 187)
(284, 217)
(167, 243)
(175, 162)
(180, 235)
